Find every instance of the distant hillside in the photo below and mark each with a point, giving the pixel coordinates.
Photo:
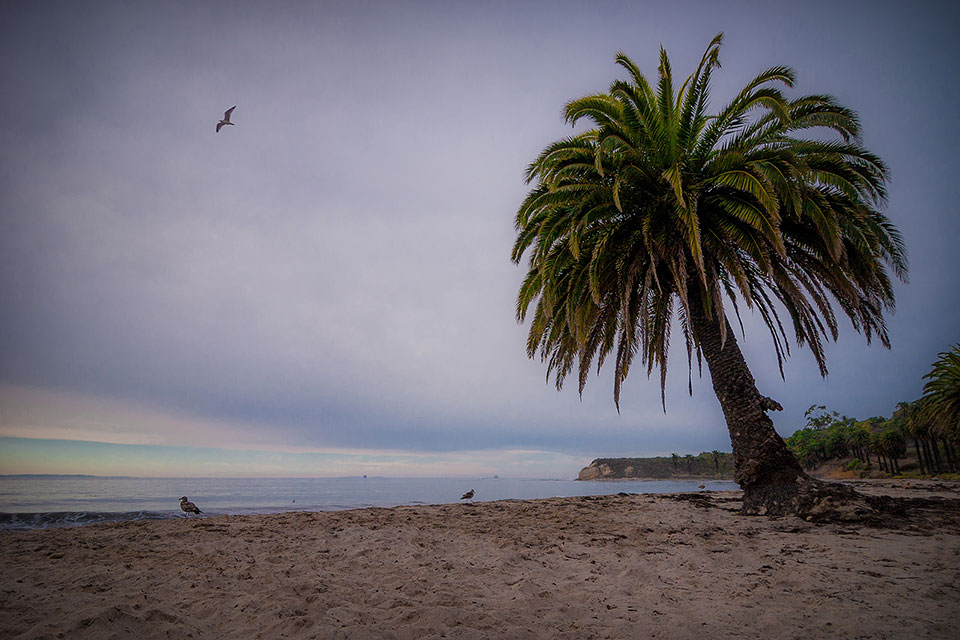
(705, 465)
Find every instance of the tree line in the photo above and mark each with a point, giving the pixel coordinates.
(930, 426)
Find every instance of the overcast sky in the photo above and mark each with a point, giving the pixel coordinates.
(325, 288)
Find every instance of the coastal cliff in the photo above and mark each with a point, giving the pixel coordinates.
(715, 465)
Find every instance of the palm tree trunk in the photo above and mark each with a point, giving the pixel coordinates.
(931, 469)
(948, 454)
(936, 454)
(927, 456)
(771, 478)
(916, 445)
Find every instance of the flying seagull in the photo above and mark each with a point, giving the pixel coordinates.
(188, 507)
(468, 495)
(226, 118)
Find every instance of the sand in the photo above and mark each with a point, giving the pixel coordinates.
(628, 566)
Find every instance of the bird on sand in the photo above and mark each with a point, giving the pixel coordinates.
(188, 507)
(226, 118)
(468, 495)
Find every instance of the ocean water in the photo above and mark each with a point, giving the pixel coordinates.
(32, 502)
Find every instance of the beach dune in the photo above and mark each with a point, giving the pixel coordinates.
(627, 566)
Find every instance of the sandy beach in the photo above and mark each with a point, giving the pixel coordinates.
(623, 566)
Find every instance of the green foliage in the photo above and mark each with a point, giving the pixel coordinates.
(941, 394)
(818, 418)
(853, 465)
(707, 464)
(892, 444)
(826, 436)
(661, 196)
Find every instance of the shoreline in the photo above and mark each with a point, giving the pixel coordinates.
(62, 509)
(615, 566)
(667, 479)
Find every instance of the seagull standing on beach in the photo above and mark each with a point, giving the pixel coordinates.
(188, 507)
(226, 118)
(467, 496)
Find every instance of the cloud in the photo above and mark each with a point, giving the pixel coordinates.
(333, 272)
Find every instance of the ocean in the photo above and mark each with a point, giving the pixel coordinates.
(39, 502)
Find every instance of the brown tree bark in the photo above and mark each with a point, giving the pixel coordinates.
(916, 445)
(927, 456)
(936, 454)
(771, 478)
(948, 454)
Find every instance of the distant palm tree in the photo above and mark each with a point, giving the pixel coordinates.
(716, 461)
(674, 457)
(858, 439)
(909, 418)
(662, 211)
(876, 445)
(893, 446)
(941, 401)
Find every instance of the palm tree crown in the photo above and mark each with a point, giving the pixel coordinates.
(941, 394)
(661, 206)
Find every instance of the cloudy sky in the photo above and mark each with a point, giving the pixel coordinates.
(325, 288)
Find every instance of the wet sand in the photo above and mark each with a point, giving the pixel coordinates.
(629, 566)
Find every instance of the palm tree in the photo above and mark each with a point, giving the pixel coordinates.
(662, 212)
(893, 446)
(716, 461)
(941, 400)
(876, 445)
(908, 417)
(859, 439)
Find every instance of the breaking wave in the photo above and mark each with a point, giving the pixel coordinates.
(50, 520)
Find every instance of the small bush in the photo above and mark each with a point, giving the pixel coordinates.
(853, 465)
